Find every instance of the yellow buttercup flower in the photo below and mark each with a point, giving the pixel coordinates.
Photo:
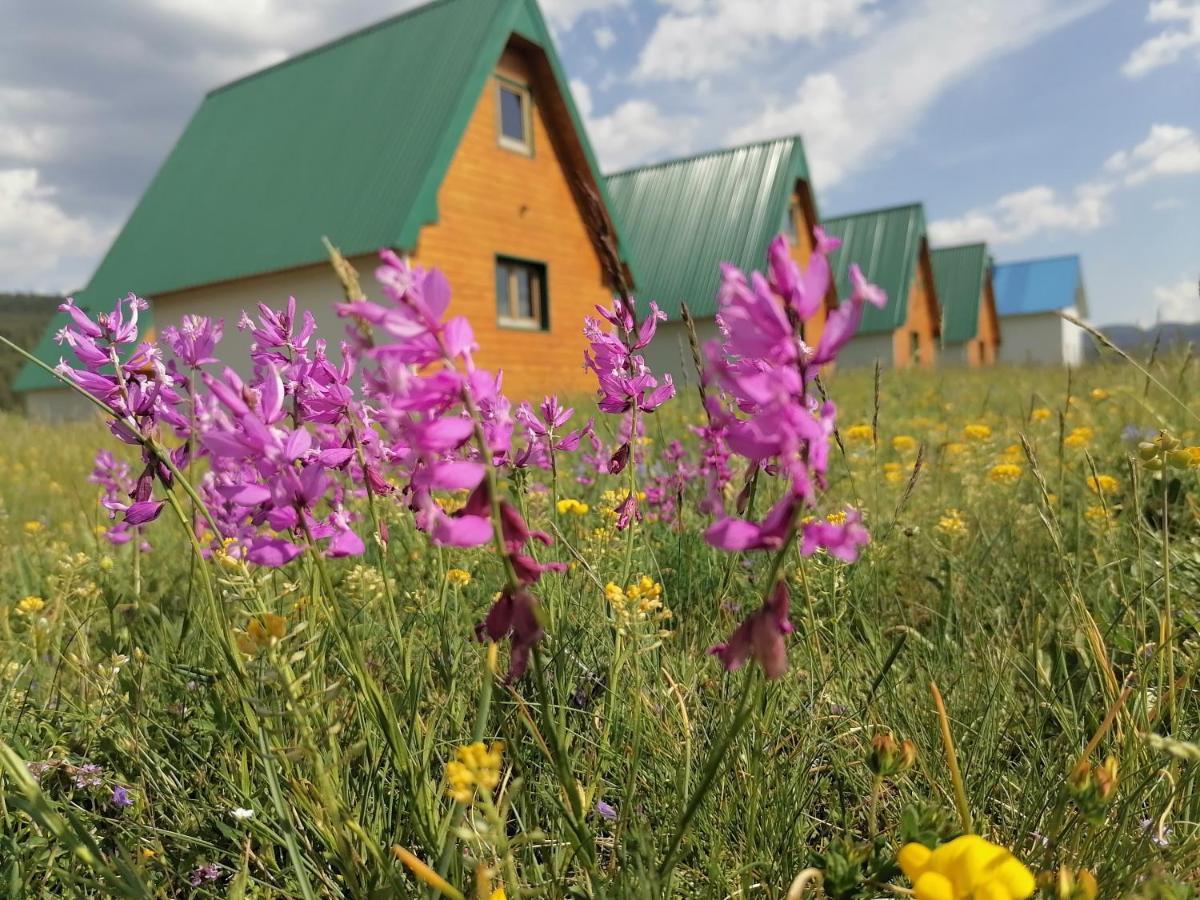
(474, 766)
(458, 577)
(31, 605)
(966, 868)
(904, 443)
(952, 524)
(861, 432)
(572, 507)
(1079, 436)
(1103, 484)
(34, 527)
(977, 432)
(1004, 473)
(1041, 414)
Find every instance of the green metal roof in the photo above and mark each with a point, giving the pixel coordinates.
(886, 244)
(959, 274)
(350, 140)
(683, 218)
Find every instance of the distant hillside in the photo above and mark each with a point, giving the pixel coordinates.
(23, 318)
(1134, 339)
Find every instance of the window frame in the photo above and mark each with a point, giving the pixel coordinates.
(525, 147)
(539, 294)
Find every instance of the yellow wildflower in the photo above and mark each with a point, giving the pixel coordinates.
(904, 443)
(458, 577)
(966, 868)
(34, 527)
(1004, 473)
(1098, 515)
(860, 432)
(31, 605)
(955, 448)
(639, 603)
(474, 766)
(952, 524)
(1013, 453)
(573, 507)
(1103, 484)
(1079, 885)
(1041, 414)
(893, 473)
(977, 432)
(1099, 394)
(261, 632)
(837, 517)
(1079, 436)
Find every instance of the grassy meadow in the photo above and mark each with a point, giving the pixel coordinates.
(1024, 557)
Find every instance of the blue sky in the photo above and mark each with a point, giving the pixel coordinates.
(1042, 126)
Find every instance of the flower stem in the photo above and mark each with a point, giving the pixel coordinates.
(960, 791)
(707, 776)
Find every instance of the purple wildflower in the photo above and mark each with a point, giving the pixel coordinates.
(120, 798)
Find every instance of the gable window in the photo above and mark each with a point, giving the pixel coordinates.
(516, 119)
(521, 294)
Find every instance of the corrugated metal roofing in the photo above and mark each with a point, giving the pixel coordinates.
(959, 274)
(1038, 286)
(683, 218)
(886, 244)
(350, 140)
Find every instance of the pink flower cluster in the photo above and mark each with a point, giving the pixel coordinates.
(765, 411)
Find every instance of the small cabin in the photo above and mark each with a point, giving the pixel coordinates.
(1030, 296)
(447, 133)
(970, 329)
(892, 249)
(681, 219)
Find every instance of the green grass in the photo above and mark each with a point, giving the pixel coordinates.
(1031, 621)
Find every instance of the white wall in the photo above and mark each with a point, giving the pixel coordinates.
(55, 405)
(315, 288)
(865, 349)
(669, 351)
(1040, 339)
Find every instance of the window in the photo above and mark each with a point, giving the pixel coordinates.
(515, 119)
(521, 295)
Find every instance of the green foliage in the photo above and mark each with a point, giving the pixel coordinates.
(1034, 600)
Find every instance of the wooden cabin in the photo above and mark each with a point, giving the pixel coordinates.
(683, 218)
(447, 132)
(891, 248)
(1029, 297)
(970, 328)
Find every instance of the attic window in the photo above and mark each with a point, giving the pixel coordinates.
(515, 117)
(521, 294)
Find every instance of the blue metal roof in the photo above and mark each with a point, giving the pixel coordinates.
(1039, 286)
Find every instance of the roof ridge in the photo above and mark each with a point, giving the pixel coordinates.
(967, 245)
(915, 204)
(721, 151)
(1041, 259)
(334, 42)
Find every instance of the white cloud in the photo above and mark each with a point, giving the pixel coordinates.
(821, 113)
(1181, 36)
(45, 248)
(565, 13)
(604, 37)
(874, 99)
(632, 133)
(1167, 150)
(1021, 215)
(702, 37)
(1178, 302)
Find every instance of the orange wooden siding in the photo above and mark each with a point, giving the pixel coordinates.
(495, 201)
(986, 346)
(919, 331)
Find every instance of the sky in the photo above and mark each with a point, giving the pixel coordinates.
(1041, 126)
